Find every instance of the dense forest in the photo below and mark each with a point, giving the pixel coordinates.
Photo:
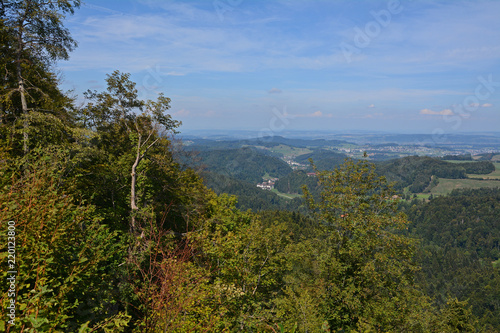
(460, 249)
(111, 233)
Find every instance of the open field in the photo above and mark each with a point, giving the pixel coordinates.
(445, 186)
(457, 161)
(286, 196)
(284, 150)
(287, 150)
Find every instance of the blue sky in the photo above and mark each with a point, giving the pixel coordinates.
(270, 66)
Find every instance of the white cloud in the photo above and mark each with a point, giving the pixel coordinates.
(487, 105)
(182, 112)
(316, 114)
(173, 73)
(445, 112)
(371, 105)
(275, 91)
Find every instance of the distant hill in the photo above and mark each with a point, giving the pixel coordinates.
(245, 164)
(267, 141)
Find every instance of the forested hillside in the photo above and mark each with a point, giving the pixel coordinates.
(460, 250)
(416, 172)
(265, 141)
(245, 164)
(104, 230)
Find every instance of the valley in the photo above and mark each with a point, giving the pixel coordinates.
(416, 170)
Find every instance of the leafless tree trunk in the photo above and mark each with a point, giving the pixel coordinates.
(133, 204)
(133, 184)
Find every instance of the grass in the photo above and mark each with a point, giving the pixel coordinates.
(445, 186)
(287, 150)
(286, 196)
(420, 196)
(459, 161)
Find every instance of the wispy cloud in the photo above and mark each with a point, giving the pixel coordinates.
(181, 113)
(173, 73)
(316, 114)
(275, 91)
(445, 112)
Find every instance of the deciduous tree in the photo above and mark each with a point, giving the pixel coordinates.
(36, 37)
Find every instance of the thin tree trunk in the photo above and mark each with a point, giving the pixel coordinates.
(133, 205)
(22, 92)
(25, 114)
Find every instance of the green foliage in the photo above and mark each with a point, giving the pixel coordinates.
(465, 157)
(174, 293)
(460, 240)
(38, 27)
(478, 168)
(64, 255)
(128, 169)
(457, 317)
(363, 266)
(247, 261)
(36, 37)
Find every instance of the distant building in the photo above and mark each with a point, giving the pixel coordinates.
(269, 185)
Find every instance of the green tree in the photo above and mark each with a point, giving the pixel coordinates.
(246, 259)
(457, 317)
(363, 265)
(36, 38)
(133, 133)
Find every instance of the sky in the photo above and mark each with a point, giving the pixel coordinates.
(430, 67)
